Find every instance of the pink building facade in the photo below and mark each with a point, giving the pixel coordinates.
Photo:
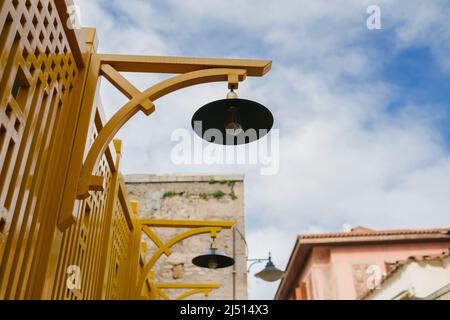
(345, 265)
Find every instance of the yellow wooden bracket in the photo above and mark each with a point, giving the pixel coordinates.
(180, 65)
(195, 228)
(192, 71)
(125, 87)
(192, 289)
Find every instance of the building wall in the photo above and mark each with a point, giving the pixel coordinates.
(191, 197)
(340, 272)
(316, 282)
(422, 278)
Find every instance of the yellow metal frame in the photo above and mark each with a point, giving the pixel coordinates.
(193, 289)
(50, 112)
(196, 228)
(192, 71)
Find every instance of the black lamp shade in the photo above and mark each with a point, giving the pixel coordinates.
(251, 115)
(213, 259)
(270, 273)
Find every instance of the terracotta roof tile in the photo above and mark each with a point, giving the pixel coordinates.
(364, 232)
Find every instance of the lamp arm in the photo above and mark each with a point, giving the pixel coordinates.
(243, 238)
(255, 261)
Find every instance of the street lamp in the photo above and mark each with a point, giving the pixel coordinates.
(236, 121)
(270, 273)
(213, 258)
(240, 121)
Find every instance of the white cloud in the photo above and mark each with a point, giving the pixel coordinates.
(345, 158)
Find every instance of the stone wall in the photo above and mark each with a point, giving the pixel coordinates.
(195, 197)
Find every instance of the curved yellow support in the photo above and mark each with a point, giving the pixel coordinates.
(165, 249)
(206, 292)
(163, 295)
(153, 287)
(138, 102)
(194, 289)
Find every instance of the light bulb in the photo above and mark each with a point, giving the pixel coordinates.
(212, 263)
(233, 126)
(233, 129)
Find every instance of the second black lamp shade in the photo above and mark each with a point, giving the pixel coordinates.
(213, 258)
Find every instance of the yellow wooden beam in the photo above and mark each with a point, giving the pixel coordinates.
(124, 86)
(187, 224)
(180, 65)
(156, 240)
(187, 286)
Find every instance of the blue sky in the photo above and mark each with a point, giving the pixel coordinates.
(420, 80)
(363, 114)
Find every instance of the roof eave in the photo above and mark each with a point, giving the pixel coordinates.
(303, 247)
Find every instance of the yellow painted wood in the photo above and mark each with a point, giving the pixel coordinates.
(107, 241)
(39, 76)
(185, 295)
(187, 286)
(44, 125)
(186, 223)
(187, 234)
(156, 240)
(193, 289)
(56, 146)
(86, 182)
(195, 228)
(180, 65)
(124, 86)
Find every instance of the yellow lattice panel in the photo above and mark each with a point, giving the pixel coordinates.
(82, 243)
(50, 116)
(119, 251)
(37, 75)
